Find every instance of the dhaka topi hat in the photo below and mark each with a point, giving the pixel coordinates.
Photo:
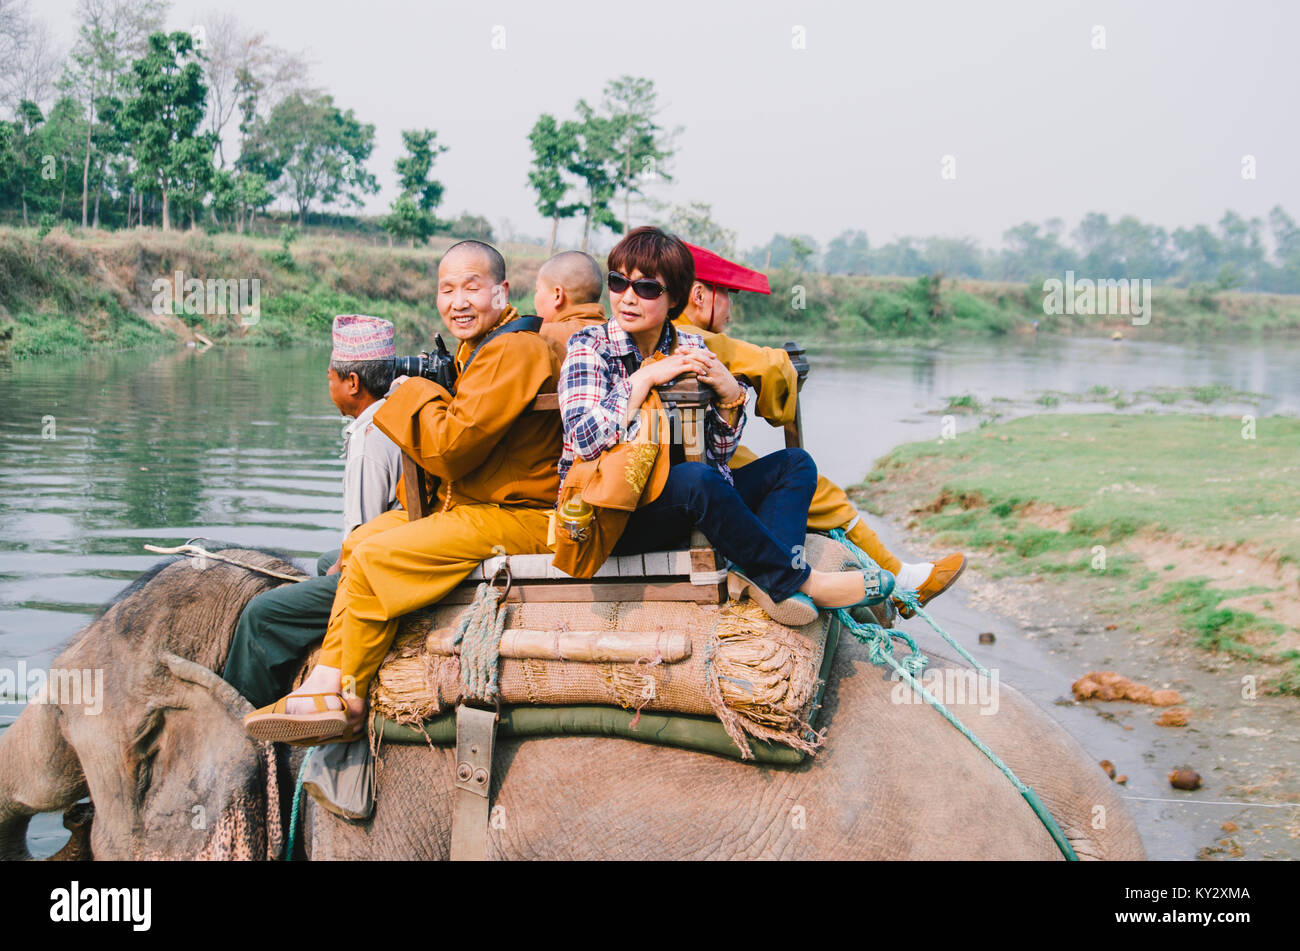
(358, 337)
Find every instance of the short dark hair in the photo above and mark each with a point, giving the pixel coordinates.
(375, 376)
(655, 253)
(496, 263)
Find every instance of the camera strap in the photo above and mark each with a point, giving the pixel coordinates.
(533, 324)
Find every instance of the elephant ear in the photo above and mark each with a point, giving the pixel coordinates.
(204, 788)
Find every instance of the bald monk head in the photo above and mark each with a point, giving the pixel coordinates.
(472, 289)
(566, 280)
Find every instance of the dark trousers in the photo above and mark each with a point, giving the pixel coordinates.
(276, 631)
(759, 524)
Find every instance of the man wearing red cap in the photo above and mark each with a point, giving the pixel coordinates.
(770, 372)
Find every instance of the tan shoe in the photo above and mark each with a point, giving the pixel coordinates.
(274, 724)
(945, 572)
(795, 611)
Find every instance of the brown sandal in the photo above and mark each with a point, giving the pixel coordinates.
(345, 737)
(272, 723)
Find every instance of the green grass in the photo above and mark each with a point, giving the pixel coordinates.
(1217, 628)
(90, 293)
(967, 403)
(849, 309)
(1117, 475)
(49, 334)
(1109, 478)
(1289, 680)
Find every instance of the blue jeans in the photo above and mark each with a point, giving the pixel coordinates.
(759, 524)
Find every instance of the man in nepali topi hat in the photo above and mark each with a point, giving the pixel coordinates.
(279, 626)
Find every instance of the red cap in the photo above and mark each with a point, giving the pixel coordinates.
(714, 269)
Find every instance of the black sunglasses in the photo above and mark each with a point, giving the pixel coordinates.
(646, 288)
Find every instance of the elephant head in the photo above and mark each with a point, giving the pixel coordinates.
(161, 751)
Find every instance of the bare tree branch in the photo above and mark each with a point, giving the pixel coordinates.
(29, 56)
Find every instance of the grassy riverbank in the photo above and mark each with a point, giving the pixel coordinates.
(96, 291)
(1173, 523)
(858, 310)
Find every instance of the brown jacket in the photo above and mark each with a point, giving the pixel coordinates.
(568, 322)
(768, 370)
(482, 443)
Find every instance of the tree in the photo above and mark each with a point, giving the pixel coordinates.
(802, 250)
(783, 250)
(639, 145)
(694, 222)
(953, 256)
(24, 146)
(900, 257)
(313, 152)
(1243, 249)
(241, 61)
(29, 61)
(1029, 253)
(471, 226)
(56, 144)
(593, 163)
(554, 145)
(848, 253)
(1199, 252)
(414, 168)
(1286, 242)
(406, 222)
(412, 212)
(111, 34)
(161, 120)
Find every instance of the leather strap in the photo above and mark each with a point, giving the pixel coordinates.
(525, 324)
(476, 732)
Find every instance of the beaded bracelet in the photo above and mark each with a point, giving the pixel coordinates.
(738, 401)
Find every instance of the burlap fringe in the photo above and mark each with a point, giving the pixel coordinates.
(760, 678)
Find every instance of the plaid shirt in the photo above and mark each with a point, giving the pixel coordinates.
(594, 390)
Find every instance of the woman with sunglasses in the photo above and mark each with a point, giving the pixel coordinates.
(757, 516)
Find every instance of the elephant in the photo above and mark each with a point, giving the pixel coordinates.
(894, 780)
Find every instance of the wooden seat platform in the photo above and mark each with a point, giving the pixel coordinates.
(684, 575)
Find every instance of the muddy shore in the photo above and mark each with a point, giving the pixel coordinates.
(1051, 630)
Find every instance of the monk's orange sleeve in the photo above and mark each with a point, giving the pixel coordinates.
(450, 436)
(768, 370)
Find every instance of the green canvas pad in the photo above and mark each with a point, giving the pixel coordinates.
(688, 731)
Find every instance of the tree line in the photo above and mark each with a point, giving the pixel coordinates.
(1232, 254)
(140, 125)
(140, 121)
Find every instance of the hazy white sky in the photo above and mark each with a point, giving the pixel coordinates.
(849, 132)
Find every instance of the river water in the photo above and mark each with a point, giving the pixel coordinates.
(100, 455)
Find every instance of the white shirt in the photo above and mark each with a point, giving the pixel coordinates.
(373, 469)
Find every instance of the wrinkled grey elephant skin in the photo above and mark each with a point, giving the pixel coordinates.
(166, 762)
(896, 781)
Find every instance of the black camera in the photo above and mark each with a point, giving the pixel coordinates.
(439, 366)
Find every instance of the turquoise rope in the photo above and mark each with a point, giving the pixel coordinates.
(479, 634)
(297, 797)
(880, 650)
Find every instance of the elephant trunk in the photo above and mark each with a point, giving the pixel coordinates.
(39, 772)
(76, 820)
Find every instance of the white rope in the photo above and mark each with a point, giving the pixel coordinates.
(195, 551)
